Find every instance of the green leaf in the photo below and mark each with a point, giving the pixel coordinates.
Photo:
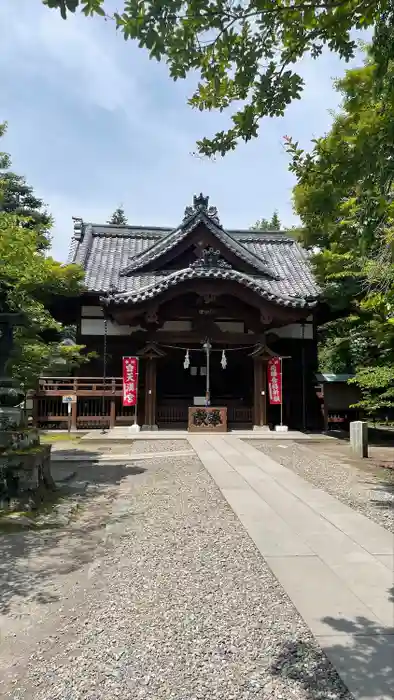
(244, 51)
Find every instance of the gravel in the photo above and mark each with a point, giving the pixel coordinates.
(116, 448)
(178, 605)
(371, 492)
(160, 446)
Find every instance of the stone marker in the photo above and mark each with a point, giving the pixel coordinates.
(359, 438)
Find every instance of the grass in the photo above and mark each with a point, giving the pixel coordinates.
(30, 450)
(60, 437)
(8, 518)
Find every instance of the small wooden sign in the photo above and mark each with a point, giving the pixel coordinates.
(198, 419)
(69, 398)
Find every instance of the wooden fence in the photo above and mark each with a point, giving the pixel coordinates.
(99, 404)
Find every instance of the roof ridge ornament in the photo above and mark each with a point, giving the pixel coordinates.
(212, 259)
(201, 204)
(78, 227)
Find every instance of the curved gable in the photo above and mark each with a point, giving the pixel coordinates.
(199, 214)
(274, 262)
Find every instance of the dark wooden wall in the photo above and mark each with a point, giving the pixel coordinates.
(301, 407)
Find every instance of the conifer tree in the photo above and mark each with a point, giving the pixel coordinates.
(263, 224)
(118, 218)
(17, 197)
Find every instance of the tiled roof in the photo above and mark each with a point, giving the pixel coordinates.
(170, 240)
(105, 250)
(161, 283)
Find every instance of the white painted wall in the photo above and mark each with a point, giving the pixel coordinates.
(231, 326)
(95, 326)
(92, 311)
(176, 326)
(293, 330)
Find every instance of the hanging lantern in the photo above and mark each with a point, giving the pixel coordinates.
(223, 361)
(186, 361)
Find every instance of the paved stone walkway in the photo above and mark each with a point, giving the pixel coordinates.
(335, 564)
(126, 433)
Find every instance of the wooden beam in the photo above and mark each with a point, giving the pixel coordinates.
(74, 413)
(257, 391)
(264, 389)
(150, 392)
(140, 338)
(191, 337)
(218, 288)
(260, 391)
(150, 351)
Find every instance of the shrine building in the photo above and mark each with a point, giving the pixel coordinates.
(179, 298)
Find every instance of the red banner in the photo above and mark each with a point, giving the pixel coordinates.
(130, 381)
(275, 380)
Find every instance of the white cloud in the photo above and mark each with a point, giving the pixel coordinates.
(81, 49)
(95, 72)
(65, 208)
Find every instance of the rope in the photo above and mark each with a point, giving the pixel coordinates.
(178, 347)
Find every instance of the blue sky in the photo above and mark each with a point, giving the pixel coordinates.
(93, 124)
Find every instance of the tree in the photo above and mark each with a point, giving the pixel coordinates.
(30, 282)
(267, 225)
(275, 222)
(245, 53)
(377, 388)
(344, 197)
(118, 217)
(17, 197)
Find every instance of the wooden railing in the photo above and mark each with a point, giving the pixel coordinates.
(172, 415)
(177, 414)
(100, 404)
(81, 386)
(240, 415)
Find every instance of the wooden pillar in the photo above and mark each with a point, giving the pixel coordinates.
(112, 414)
(112, 407)
(325, 410)
(264, 389)
(35, 411)
(74, 407)
(257, 391)
(74, 413)
(260, 392)
(153, 362)
(150, 394)
(150, 353)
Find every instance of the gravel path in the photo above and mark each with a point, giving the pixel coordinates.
(124, 447)
(370, 491)
(177, 605)
(158, 445)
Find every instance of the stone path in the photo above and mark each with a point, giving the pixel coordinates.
(163, 597)
(157, 591)
(361, 484)
(335, 564)
(125, 433)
